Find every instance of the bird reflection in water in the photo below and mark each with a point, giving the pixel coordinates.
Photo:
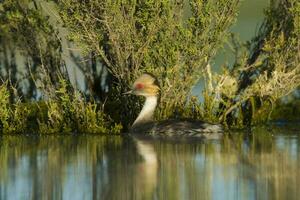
(147, 170)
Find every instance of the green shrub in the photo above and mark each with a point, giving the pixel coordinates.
(64, 112)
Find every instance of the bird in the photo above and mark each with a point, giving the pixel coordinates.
(144, 125)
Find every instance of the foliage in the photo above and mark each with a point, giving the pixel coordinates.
(287, 111)
(27, 35)
(69, 112)
(64, 112)
(4, 107)
(268, 70)
(13, 117)
(28, 32)
(173, 40)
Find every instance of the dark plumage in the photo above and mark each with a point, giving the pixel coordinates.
(144, 126)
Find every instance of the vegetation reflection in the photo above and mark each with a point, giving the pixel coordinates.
(257, 165)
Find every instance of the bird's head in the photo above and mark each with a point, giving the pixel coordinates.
(146, 85)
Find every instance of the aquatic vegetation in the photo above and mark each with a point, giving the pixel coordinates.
(121, 40)
(267, 68)
(4, 107)
(13, 116)
(63, 112)
(69, 112)
(148, 37)
(172, 41)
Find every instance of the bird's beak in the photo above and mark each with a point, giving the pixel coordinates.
(129, 92)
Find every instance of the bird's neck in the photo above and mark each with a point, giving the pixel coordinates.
(146, 115)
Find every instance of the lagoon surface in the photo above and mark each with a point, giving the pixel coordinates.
(261, 164)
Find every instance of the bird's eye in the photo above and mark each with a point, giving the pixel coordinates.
(139, 86)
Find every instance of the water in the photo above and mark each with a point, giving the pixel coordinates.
(261, 165)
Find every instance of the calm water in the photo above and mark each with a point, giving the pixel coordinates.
(261, 165)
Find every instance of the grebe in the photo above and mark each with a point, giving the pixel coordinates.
(147, 86)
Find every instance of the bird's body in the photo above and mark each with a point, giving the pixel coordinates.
(145, 126)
